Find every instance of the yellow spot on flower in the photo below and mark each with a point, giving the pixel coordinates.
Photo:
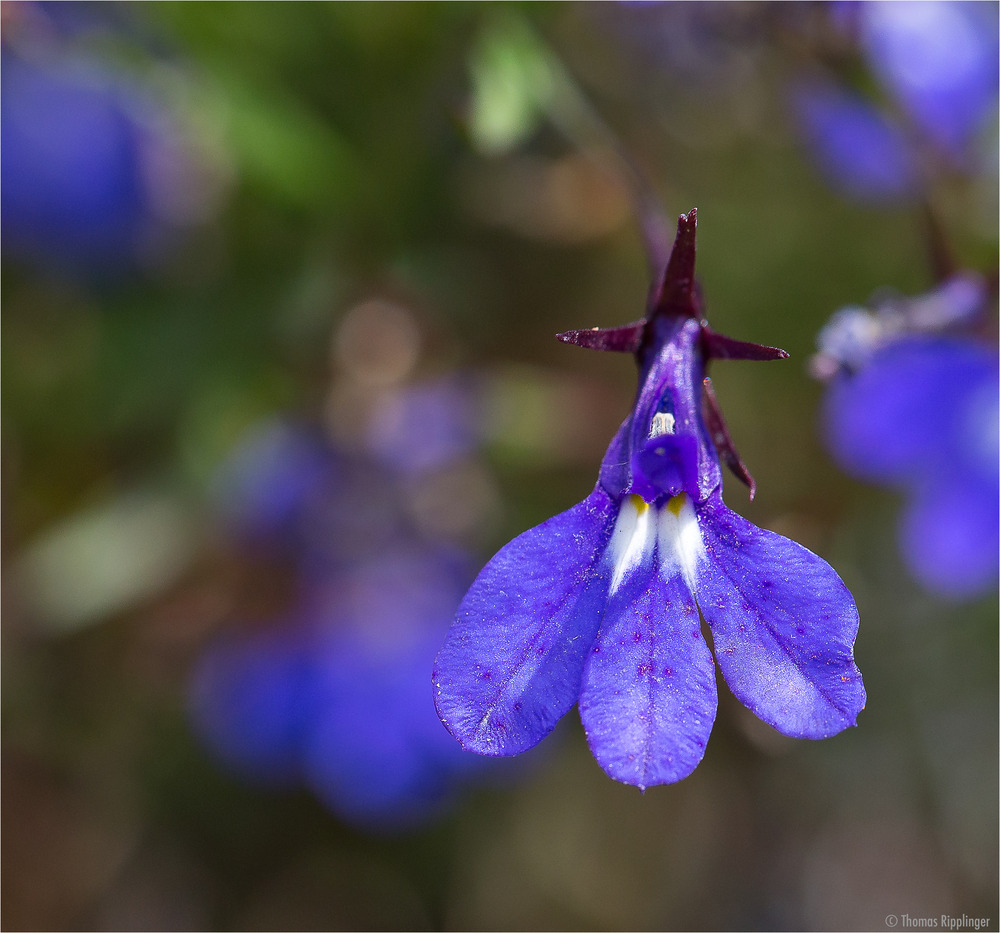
(676, 503)
(638, 503)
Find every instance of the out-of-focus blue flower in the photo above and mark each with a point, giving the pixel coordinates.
(423, 427)
(277, 476)
(861, 151)
(939, 58)
(937, 64)
(853, 334)
(599, 605)
(337, 698)
(74, 193)
(335, 695)
(918, 410)
(252, 700)
(376, 752)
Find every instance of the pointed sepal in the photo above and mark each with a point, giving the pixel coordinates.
(676, 294)
(720, 347)
(624, 339)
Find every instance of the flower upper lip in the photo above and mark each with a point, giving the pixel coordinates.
(675, 342)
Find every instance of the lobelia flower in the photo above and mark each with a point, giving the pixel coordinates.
(599, 605)
(375, 753)
(913, 406)
(98, 177)
(87, 164)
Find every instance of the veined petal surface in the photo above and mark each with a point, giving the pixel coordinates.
(783, 624)
(510, 667)
(648, 696)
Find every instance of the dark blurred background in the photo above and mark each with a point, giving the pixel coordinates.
(280, 289)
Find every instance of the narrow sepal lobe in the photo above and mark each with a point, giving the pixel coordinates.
(676, 295)
(624, 339)
(719, 347)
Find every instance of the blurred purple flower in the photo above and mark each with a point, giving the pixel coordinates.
(599, 605)
(861, 151)
(251, 700)
(853, 334)
(937, 63)
(919, 411)
(423, 427)
(336, 697)
(286, 488)
(939, 59)
(278, 474)
(74, 193)
(376, 752)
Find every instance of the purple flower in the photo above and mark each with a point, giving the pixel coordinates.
(278, 475)
(599, 605)
(939, 59)
(423, 427)
(920, 412)
(861, 151)
(375, 752)
(75, 195)
(937, 65)
(252, 699)
(334, 696)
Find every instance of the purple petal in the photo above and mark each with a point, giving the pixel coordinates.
(783, 623)
(616, 474)
(510, 667)
(648, 696)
